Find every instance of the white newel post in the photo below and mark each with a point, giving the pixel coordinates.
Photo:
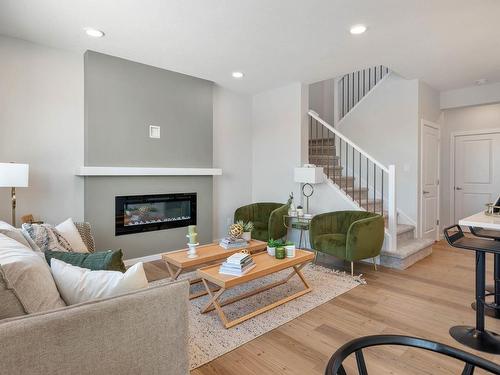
(336, 102)
(393, 221)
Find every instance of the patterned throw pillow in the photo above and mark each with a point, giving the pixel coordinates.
(46, 237)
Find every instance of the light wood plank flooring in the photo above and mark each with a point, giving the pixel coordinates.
(424, 300)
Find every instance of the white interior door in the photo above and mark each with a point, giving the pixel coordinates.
(477, 174)
(429, 181)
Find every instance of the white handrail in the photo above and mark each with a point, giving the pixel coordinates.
(315, 116)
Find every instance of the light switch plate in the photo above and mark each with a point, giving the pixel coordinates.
(154, 131)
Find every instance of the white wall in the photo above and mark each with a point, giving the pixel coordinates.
(429, 105)
(385, 124)
(461, 119)
(232, 153)
(321, 99)
(474, 95)
(41, 123)
(277, 123)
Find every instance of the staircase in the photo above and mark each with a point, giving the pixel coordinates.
(369, 185)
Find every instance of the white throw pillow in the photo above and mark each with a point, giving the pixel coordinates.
(80, 284)
(28, 274)
(70, 233)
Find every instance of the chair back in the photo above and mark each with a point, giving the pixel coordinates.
(356, 346)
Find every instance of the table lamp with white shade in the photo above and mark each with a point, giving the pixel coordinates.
(14, 175)
(308, 175)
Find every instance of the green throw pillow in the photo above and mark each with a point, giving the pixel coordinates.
(99, 261)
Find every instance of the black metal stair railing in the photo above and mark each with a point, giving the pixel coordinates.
(354, 86)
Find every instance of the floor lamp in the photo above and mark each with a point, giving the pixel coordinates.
(14, 175)
(308, 176)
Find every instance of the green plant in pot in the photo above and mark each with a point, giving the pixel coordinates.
(272, 245)
(247, 229)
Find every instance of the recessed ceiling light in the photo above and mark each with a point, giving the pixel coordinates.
(481, 81)
(237, 75)
(94, 32)
(357, 29)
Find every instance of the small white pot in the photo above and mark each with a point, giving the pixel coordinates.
(247, 236)
(290, 251)
(271, 251)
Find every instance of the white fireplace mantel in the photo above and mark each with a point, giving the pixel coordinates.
(138, 171)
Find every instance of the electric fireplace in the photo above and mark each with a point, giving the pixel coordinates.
(145, 213)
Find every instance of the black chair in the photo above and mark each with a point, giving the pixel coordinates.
(356, 346)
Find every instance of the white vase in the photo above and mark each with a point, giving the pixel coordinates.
(271, 251)
(247, 236)
(290, 251)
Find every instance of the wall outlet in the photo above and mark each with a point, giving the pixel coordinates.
(154, 131)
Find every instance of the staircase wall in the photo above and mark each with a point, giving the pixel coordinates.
(385, 124)
(278, 117)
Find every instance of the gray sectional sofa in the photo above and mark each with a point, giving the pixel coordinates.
(143, 332)
(140, 333)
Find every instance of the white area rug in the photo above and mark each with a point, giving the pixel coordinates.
(208, 337)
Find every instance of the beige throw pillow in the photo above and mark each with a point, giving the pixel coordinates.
(10, 306)
(69, 231)
(28, 275)
(13, 233)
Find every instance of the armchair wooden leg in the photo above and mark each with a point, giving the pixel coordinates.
(374, 263)
(352, 269)
(315, 256)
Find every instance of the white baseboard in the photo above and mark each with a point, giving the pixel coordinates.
(148, 258)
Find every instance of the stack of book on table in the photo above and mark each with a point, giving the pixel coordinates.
(230, 243)
(237, 265)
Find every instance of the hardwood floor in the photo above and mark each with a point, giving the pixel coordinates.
(424, 301)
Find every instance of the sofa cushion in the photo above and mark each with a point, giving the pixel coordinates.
(28, 275)
(79, 284)
(14, 233)
(100, 261)
(46, 237)
(10, 305)
(260, 234)
(70, 233)
(333, 244)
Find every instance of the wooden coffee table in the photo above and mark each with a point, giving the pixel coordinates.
(178, 262)
(265, 265)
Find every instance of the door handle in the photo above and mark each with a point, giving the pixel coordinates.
(425, 192)
(458, 188)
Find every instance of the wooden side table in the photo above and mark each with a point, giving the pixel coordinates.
(264, 265)
(301, 223)
(178, 262)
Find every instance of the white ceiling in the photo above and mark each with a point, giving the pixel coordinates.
(447, 43)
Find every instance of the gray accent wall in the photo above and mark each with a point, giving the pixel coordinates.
(122, 98)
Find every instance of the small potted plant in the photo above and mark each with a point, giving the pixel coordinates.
(247, 229)
(272, 245)
(290, 249)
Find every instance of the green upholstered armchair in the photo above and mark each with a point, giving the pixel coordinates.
(348, 235)
(266, 217)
